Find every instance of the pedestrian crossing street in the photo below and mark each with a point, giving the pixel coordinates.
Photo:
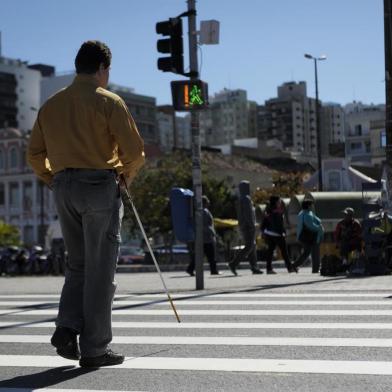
(263, 332)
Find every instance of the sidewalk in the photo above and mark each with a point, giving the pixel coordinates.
(182, 267)
(139, 283)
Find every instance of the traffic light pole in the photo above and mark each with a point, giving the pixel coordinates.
(196, 154)
(388, 96)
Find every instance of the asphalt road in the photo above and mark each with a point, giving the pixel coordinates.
(298, 332)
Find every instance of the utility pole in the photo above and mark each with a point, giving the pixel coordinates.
(318, 119)
(196, 154)
(318, 133)
(388, 96)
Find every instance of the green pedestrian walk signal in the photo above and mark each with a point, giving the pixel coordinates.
(189, 95)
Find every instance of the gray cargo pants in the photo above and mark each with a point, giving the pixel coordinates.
(248, 252)
(90, 211)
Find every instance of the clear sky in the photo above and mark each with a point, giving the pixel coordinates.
(262, 42)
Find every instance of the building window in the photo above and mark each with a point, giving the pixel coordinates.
(383, 139)
(27, 196)
(356, 146)
(334, 181)
(2, 161)
(13, 158)
(358, 130)
(2, 194)
(14, 194)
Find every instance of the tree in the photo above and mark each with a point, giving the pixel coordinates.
(284, 185)
(9, 235)
(151, 190)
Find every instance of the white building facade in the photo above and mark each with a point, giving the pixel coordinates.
(358, 130)
(24, 201)
(27, 91)
(166, 131)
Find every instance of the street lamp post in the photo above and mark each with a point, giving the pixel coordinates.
(318, 130)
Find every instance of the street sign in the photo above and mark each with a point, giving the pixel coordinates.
(189, 95)
(209, 32)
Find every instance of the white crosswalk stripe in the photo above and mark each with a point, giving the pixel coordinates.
(219, 364)
(215, 312)
(24, 327)
(387, 302)
(220, 341)
(208, 325)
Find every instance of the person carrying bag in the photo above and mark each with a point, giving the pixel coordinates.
(310, 232)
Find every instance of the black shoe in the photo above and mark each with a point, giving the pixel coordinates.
(271, 272)
(292, 268)
(232, 269)
(108, 359)
(190, 272)
(215, 273)
(65, 341)
(257, 272)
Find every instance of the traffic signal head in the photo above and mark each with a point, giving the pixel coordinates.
(189, 95)
(172, 45)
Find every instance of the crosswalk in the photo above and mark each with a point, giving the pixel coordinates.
(258, 333)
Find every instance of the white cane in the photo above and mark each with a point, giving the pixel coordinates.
(124, 191)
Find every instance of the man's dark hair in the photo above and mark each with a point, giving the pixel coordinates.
(91, 55)
(273, 200)
(306, 204)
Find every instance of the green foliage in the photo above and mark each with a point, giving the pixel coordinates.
(151, 190)
(9, 235)
(284, 185)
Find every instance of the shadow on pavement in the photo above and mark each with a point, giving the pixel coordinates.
(225, 291)
(46, 378)
(27, 323)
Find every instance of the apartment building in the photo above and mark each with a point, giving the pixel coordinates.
(377, 142)
(358, 119)
(290, 118)
(230, 116)
(174, 131)
(19, 94)
(24, 201)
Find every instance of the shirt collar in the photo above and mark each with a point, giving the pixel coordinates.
(85, 78)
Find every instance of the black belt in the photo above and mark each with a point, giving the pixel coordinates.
(74, 169)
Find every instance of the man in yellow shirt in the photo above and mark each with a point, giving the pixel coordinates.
(83, 142)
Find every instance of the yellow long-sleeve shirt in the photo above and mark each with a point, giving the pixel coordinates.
(87, 127)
